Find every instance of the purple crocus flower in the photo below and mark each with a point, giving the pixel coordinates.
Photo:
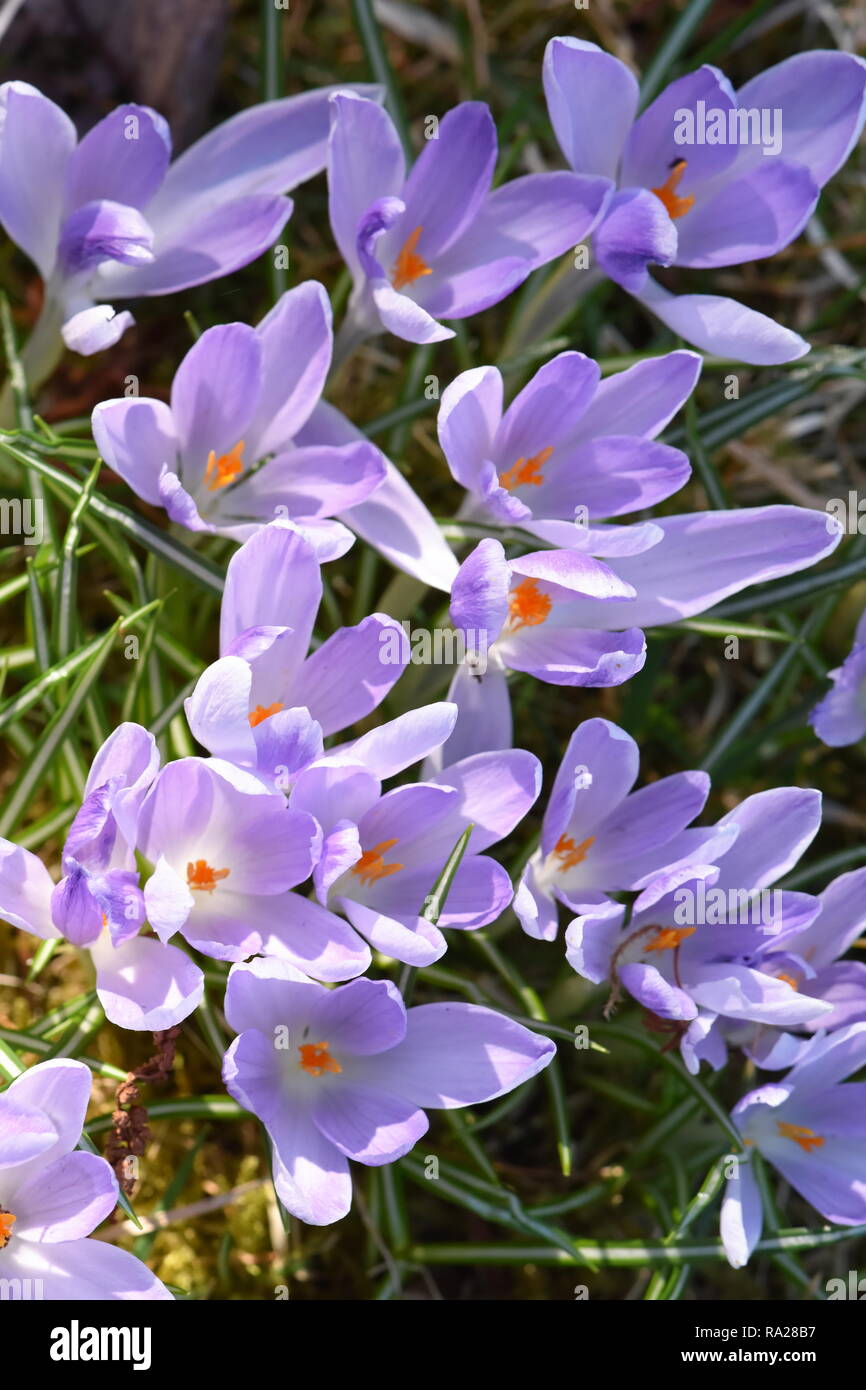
(105, 217)
(598, 836)
(598, 458)
(348, 1073)
(570, 619)
(811, 1128)
(98, 905)
(811, 961)
(705, 177)
(52, 1196)
(700, 949)
(265, 704)
(438, 244)
(840, 718)
(246, 439)
(383, 854)
(226, 854)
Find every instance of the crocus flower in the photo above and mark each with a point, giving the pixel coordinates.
(226, 854)
(264, 705)
(699, 969)
(701, 182)
(811, 961)
(811, 1128)
(52, 1196)
(569, 619)
(438, 244)
(599, 457)
(106, 217)
(348, 1073)
(840, 718)
(246, 440)
(598, 836)
(383, 854)
(98, 905)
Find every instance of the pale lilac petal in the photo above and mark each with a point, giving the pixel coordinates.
(534, 907)
(273, 580)
(749, 217)
(38, 139)
(213, 395)
(656, 994)
(309, 937)
(829, 1058)
(548, 410)
(26, 1133)
(840, 718)
(25, 891)
(469, 416)
(104, 231)
(85, 1271)
(307, 483)
(65, 1200)
(636, 233)
(147, 985)
(822, 97)
(598, 770)
(739, 992)
(311, 1175)
(591, 941)
(346, 677)
(136, 437)
(652, 145)
(400, 742)
(541, 216)
(362, 1018)
(218, 710)
(479, 594)
(776, 827)
(123, 157)
(61, 1089)
(742, 1218)
(450, 179)
(367, 1124)
(265, 994)
(592, 100)
(413, 941)
(93, 329)
(297, 341)
(484, 714)
(365, 163)
(841, 921)
(569, 656)
(724, 326)
(496, 791)
(642, 399)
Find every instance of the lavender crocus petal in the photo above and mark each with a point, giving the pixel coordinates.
(742, 1216)
(608, 542)
(496, 791)
(534, 907)
(480, 892)
(610, 476)
(292, 380)
(831, 1182)
(266, 993)
(425, 820)
(544, 215)
(213, 395)
(309, 483)
(841, 921)
(218, 710)
(591, 941)
(548, 409)
(129, 755)
(341, 848)
(60, 1088)
(706, 556)
(842, 984)
(484, 714)
(286, 742)
(724, 326)
(643, 826)
(413, 941)
(480, 269)
(405, 318)
(479, 594)
(362, 1018)
(179, 504)
(296, 929)
(273, 580)
(146, 985)
(335, 791)
(636, 233)
(775, 828)
(330, 540)
(97, 327)
(822, 97)
(74, 910)
(597, 772)
(749, 217)
(26, 1133)
(703, 1042)
(36, 146)
(104, 231)
(567, 656)
(469, 416)
(85, 1271)
(829, 1058)
(739, 992)
(393, 519)
(458, 1054)
(653, 141)
(840, 718)
(311, 1175)
(451, 178)
(123, 157)
(365, 162)
(649, 987)
(573, 573)
(65, 1200)
(642, 399)
(368, 1124)
(592, 100)
(25, 891)
(400, 742)
(337, 699)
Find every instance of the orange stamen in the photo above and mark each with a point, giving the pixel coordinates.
(409, 266)
(526, 472)
(789, 980)
(223, 470)
(201, 876)
(676, 206)
(370, 867)
(262, 712)
(571, 854)
(806, 1138)
(315, 1058)
(527, 607)
(7, 1221)
(668, 938)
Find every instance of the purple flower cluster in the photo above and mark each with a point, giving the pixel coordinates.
(282, 849)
